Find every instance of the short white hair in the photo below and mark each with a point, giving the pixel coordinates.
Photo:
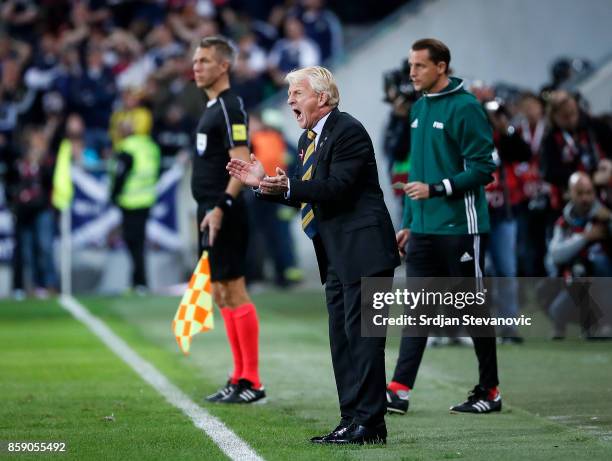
(321, 80)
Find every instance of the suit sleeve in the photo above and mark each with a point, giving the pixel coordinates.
(350, 153)
(277, 199)
(475, 139)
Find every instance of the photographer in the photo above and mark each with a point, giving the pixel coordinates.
(580, 246)
(400, 93)
(504, 196)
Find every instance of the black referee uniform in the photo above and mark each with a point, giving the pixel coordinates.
(223, 126)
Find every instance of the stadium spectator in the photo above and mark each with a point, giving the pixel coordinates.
(172, 132)
(248, 82)
(602, 179)
(30, 198)
(20, 17)
(81, 152)
(189, 27)
(254, 55)
(13, 49)
(574, 142)
(135, 66)
(580, 247)
(170, 85)
(321, 26)
(92, 94)
(132, 110)
(295, 51)
(53, 106)
(16, 100)
(504, 195)
(43, 72)
(162, 45)
(533, 214)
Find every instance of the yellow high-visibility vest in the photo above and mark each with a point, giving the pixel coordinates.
(63, 190)
(139, 188)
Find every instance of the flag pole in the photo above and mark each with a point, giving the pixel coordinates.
(66, 252)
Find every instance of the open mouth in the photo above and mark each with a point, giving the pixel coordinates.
(298, 114)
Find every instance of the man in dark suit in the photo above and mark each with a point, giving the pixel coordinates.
(343, 212)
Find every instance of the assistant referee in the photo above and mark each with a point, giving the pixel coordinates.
(222, 133)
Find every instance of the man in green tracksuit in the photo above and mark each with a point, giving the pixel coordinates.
(445, 214)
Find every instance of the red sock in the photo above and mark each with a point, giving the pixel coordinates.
(247, 326)
(493, 393)
(395, 386)
(234, 341)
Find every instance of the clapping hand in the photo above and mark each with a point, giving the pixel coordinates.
(275, 185)
(249, 173)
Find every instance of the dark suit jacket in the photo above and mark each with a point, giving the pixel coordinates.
(356, 235)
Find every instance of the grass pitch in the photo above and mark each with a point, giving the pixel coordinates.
(58, 382)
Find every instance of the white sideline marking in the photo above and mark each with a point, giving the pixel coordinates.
(232, 445)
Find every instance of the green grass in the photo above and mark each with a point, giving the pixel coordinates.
(58, 382)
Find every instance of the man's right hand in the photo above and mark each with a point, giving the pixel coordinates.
(249, 173)
(402, 237)
(596, 232)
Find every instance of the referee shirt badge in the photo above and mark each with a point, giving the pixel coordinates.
(239, 132)
(201, 143)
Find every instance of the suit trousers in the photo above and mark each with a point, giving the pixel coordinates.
(429, 255)
(358, 362)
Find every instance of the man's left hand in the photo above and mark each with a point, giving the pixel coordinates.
(275, 185)
(212, 220)
(417, 190)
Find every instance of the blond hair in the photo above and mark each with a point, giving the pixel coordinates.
(321, 80)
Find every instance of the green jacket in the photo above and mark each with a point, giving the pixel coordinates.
(452, 144)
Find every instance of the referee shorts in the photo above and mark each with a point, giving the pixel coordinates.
(227, 257)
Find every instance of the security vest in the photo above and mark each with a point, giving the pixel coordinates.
(139, 188)
(63, 190)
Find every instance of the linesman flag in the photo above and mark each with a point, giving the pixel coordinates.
(195, 312)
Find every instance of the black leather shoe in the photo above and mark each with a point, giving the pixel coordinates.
(360, 435)
(337, 432)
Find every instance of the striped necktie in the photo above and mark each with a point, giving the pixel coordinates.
(309, 223)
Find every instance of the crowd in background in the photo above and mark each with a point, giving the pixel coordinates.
(74, 72)
(78, 70)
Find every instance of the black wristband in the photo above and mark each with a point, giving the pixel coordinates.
(225, 202)
(437, 190)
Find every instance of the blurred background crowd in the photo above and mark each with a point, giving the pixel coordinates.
(73, 72)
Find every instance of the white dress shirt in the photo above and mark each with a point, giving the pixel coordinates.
(318, 128)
